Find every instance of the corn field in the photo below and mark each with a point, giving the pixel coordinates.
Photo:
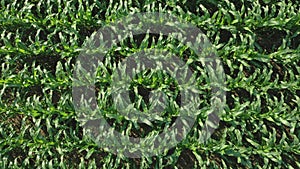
(257, 42)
